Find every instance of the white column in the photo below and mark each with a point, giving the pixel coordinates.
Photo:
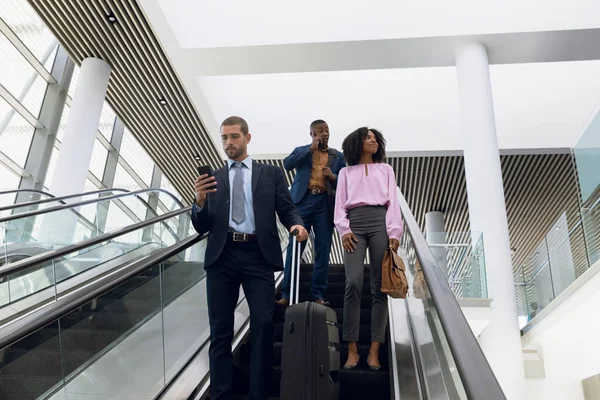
(501, 340)
(435, 233)
(76, 148)
(73, 162)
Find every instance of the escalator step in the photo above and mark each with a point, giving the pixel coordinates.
(363, 350)
(361, 384)
(241, 378)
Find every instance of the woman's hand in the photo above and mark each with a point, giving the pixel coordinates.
(394, 244)
(349, 242)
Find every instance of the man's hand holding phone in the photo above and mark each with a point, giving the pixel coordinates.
(315, 143)
(204, 184)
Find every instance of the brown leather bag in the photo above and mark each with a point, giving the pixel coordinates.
(393, 277)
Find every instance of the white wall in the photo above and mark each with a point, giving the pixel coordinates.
(568, 341)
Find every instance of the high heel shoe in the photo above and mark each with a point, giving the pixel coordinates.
(352, 366)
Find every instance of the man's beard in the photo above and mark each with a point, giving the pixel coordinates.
(234, 153)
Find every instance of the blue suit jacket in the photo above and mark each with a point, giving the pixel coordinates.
(272, 198)
(301, 160)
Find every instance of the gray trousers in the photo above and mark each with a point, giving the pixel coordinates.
(368, 225)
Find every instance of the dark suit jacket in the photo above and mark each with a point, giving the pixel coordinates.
(301, 160)
(270, 197)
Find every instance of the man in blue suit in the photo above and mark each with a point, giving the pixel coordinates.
(313, 193)
(243, 249)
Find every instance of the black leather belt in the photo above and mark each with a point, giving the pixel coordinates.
(317, 191)
(242, 237)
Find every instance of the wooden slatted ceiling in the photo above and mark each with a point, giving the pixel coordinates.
(538, 187)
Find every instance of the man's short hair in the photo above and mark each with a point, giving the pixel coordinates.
(239, 121)
(316, 122)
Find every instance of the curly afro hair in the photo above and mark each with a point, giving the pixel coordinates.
(352, 147)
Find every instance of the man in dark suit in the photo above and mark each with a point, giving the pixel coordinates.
(237, 207)
(313, 193)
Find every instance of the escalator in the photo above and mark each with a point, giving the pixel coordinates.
(43, 356)
(142, 332)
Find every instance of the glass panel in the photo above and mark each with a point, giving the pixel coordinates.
(20, 78)
(587, 159)
(167, 200)
(132, 340)
(462, 262)
(63, 123)
(8, 181)
(42, 283)
(124, 181)
(74, 80)
(121, 332)
(15, 139)
(30, 29)
(440, 375)
(98, 160)
(32, 367)
(133, 153)
(107, 121)
(185, 311)
(51, 167)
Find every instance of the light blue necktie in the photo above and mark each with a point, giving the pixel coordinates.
(238, 212)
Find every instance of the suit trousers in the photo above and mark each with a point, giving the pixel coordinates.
(368, 225)
(314, 211)
(241, 263)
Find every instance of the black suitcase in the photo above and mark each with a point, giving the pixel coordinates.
(311, 354)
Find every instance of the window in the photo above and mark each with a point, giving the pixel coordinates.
(30, 29)
(133, 153)
(20, 79)
(16, 135)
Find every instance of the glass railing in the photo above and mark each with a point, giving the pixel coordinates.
(449, 364)
(461, 258)
(128, 342)
(48, 280)
(64, 226)
(560, 258)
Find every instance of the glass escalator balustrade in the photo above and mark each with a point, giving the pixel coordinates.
(126, 343)
(29, 288)
(64, 227)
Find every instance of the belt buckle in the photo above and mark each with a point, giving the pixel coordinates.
(239, 237)
(315, 192)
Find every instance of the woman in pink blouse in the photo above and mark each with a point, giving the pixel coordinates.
(367, 215)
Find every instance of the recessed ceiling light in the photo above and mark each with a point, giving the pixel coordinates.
(162, 101)
(111, 17)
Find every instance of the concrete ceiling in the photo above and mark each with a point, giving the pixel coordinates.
(385, 64)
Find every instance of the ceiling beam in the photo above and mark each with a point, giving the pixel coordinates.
(503, 48)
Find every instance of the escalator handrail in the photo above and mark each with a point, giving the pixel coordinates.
(61, 200)
(74, 205)
(27, 190)
(63, 251)
(14, 331)
(475, 372)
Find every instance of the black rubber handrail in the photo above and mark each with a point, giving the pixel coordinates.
(51, 255)
(74, 205)
(61, 200)
(475, 372)
(26, 190)
(14, 331)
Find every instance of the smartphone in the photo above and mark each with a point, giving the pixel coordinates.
(205, 169)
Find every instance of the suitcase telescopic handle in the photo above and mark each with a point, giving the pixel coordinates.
(295, 267)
